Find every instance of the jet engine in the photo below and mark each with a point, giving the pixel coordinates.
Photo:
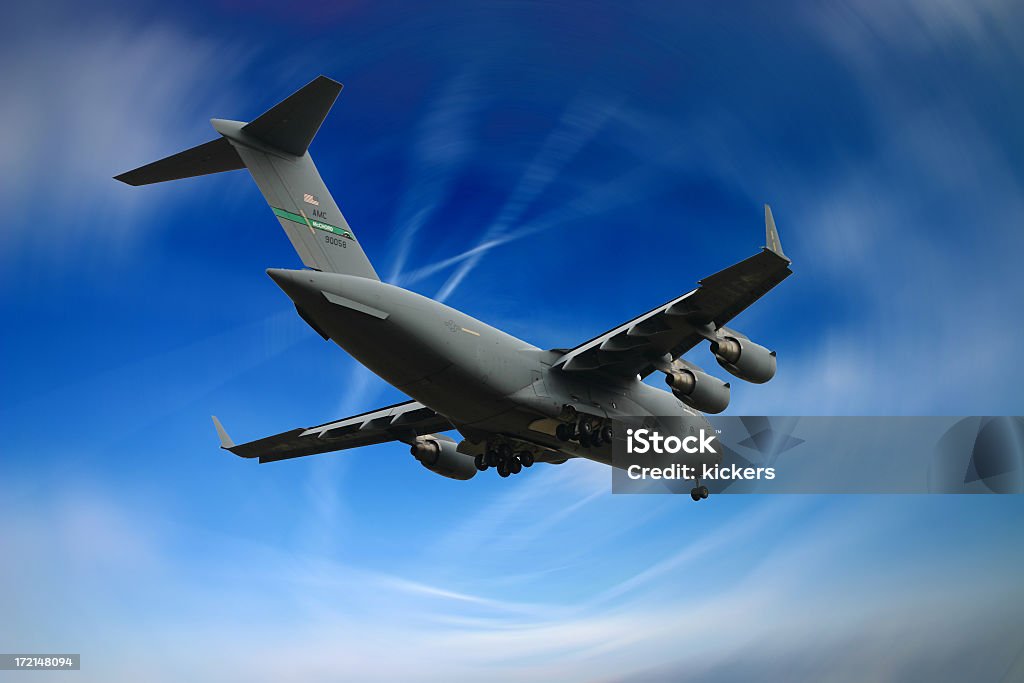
(744, 359)
(698, 389)
(439, 455)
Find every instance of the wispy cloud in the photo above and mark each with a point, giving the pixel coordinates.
(327, 517)
(321, 618)
(98, 96)
(909, 232)
(653, 172)
(443, 145)
(578, 125)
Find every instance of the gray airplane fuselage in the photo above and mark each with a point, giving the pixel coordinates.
(484, 380)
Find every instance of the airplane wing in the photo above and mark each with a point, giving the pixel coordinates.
(400, 422)
(641, 345)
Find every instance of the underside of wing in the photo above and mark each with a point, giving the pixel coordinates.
(400, 422)
(661, 335)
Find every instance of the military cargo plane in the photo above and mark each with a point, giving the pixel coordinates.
(513, 404)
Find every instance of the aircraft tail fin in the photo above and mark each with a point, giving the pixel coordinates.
(291, 124)
(274, 147)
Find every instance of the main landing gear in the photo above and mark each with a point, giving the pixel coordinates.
(589, 432)
(699, 492)
(502, 458)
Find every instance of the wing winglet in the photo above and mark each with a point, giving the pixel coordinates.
(225, 441)
(771, 234)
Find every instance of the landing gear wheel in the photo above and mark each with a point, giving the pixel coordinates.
(694, 493)
(584, 440)
(526, 457)
(503, 469)
(480, 462)
(595, 438)
(606, 434)
(583, 430)
(563, 431)
(516, 466)
(491, 459)
(703, 490)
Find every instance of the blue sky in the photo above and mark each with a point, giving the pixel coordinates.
(553, 171)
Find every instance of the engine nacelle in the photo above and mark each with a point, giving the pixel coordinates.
(441, 457)
(699, 390)
(744, 359)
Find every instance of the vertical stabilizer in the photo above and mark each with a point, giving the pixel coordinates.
(274, 147)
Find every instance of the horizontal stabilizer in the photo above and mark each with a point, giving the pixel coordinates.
(291, 124)
(210, 157)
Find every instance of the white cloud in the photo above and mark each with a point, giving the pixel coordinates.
(96, 97)
(580, 122)
(872, 32)
(443, 145)
(240, 611)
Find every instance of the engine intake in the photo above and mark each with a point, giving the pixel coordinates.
(744, 359)
(441, 457)
(698, 389)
